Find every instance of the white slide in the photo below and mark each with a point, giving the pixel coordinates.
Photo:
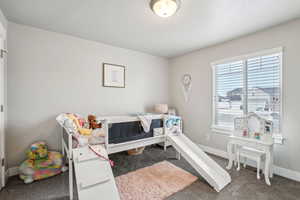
(213, 173)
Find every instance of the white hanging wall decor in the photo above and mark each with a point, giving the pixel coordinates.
(186, 83)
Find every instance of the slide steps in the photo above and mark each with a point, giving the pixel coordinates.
(94, 177)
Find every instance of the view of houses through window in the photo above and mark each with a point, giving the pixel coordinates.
(249, 85)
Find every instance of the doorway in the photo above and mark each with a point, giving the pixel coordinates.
(2, 116)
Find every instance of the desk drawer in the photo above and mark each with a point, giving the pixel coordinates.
(249, 144)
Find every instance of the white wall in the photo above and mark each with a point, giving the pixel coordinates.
(46, 73)
(197, 113)
(50, 73)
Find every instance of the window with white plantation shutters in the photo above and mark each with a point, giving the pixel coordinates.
(248, 84)
(229, 93)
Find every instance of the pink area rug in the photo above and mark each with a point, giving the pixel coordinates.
(154, 183)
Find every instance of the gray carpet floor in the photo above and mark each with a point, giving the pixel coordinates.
(244, 184)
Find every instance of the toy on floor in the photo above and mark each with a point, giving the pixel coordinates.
(40, 163)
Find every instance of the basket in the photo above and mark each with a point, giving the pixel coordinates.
(137, 151)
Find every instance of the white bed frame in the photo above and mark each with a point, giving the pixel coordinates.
(112, 148)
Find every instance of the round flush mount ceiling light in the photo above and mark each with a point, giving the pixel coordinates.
(165, 8)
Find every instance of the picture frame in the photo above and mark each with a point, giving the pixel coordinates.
(113, 75)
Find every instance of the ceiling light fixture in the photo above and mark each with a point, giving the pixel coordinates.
(165, 8)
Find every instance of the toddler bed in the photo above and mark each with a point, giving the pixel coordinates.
(120, 133)
(117, 134)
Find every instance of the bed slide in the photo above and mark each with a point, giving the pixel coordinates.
(94, 177)
(213, 173)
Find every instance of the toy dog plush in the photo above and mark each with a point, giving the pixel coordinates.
(40, 163)
(98, 133)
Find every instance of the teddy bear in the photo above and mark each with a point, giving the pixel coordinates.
(40, 163)
(98, 133)
(92, 119)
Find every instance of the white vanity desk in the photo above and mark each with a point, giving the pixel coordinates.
(265, 144)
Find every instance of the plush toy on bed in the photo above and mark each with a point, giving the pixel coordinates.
(98, 133)
(93, 122)
(40, 163)
(84, 132)
(80, 124)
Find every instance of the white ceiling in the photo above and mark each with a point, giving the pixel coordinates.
(131, 24)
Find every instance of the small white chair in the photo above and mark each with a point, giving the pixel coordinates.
(252, 154)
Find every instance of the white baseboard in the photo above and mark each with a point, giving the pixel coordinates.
(214, 151)
(280, 171)
(287, 173)
(12, 171)
(6, 176)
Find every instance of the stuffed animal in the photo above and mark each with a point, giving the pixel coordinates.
(84, 131)
(93, 122)
(80, 124)
(40, 163)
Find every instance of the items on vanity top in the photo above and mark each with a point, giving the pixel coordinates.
(253, 126)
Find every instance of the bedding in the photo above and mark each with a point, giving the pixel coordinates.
(118, 132)
(78, 126)
(145, 122)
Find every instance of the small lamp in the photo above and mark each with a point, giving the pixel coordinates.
(161, 108)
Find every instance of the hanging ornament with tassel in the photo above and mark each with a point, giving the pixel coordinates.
(186, 83)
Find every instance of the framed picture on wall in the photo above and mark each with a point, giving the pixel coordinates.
(113, 75)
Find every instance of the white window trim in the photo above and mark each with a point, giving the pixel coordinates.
(247, 56)
(226, 130)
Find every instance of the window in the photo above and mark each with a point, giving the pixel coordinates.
(247, 84)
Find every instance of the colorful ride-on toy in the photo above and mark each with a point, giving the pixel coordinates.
(40, 163)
